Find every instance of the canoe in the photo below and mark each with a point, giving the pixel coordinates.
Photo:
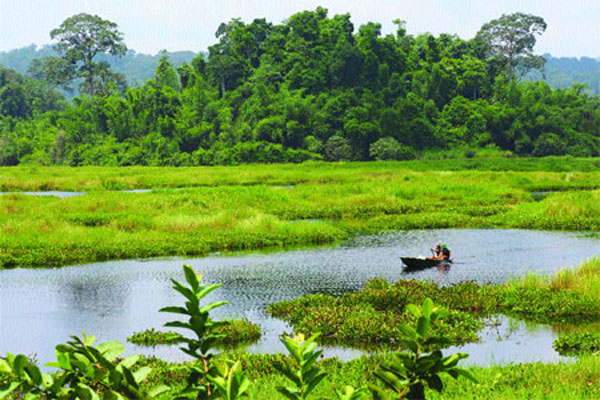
(413, 263)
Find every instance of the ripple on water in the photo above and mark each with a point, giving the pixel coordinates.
(42, 307)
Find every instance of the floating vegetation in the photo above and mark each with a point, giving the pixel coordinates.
(235, 332)
(578, 344)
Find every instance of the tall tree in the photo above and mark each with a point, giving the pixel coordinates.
(80, 38)
(511, 39)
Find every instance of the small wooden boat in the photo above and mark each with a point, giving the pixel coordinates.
(412, 263)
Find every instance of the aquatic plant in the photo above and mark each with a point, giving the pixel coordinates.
(232, 332)
(578, 344)
(228, 208)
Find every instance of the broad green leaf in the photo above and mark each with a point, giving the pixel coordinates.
(158, 390)
(190, 277)
(19, 364)
(5, 366)
(175, 310)
(141, 374)
(414, 310)
(423, 326)
(435, 383)
(34, 373)
(427, 307)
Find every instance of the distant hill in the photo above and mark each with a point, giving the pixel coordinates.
(564, 71)
(137, 67)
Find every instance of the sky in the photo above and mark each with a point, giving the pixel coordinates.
(150, 26)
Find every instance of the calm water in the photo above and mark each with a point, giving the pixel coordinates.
(42, 307)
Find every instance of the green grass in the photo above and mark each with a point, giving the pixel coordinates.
(576, 380)
(271, 206)
(548, 173)
(584, 280)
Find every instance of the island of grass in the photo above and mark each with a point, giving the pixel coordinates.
(371, 317)
(233, 333)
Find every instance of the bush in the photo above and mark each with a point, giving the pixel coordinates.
(549, 144)
(388, 148)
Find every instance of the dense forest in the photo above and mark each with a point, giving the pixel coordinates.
(312, 87)
(558, 72)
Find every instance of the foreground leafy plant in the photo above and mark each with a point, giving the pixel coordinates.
(230, 382)
(85, 371)
(409, 372)
(201, 379)
(17, 373)
(307, 376)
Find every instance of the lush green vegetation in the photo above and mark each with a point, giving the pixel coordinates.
(374, 316)
(577, 380)
(583, 280)
(578, 343)
(235, 208)
(86, 371)
(309, 88)
(232, 333)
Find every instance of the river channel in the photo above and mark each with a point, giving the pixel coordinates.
(40, 308)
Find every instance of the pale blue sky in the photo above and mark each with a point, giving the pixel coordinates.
(152, 25)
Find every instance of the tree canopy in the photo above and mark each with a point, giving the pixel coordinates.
(312, 87)
(511, 39)
(80, 39)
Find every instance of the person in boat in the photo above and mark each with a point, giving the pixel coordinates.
(443, 254)
(437, 251)
(446, 253)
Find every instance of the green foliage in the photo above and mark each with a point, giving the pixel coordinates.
(305, 376)
(200, 323)
(84, 372)
(19, 375)
(235, 208)
(388, 148)
(578, 344)
(229, 381)
(308, 88)
(231, 333)
(415, 370)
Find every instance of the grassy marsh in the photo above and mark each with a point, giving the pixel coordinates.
(259, 206)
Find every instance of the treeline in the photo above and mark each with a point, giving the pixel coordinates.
(309, 88)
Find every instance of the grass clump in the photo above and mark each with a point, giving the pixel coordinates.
(584, 279)
(576, 380)
(234, 332)
(578, 344)
(374, 316)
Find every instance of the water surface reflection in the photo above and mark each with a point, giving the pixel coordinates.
(42, 307)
